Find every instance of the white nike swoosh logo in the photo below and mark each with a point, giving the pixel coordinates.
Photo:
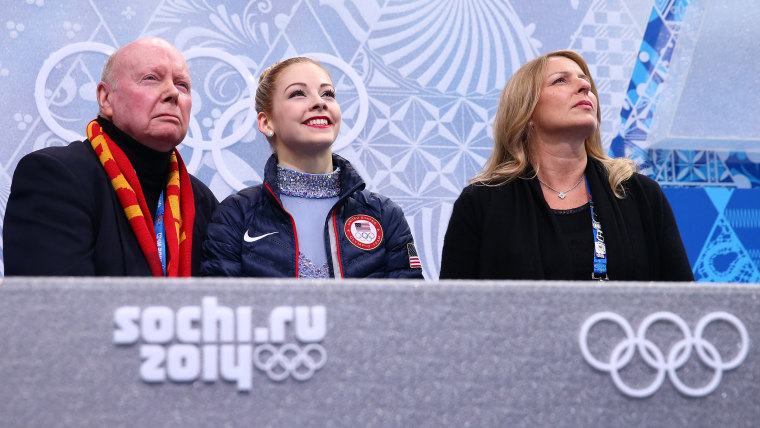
(249, 238)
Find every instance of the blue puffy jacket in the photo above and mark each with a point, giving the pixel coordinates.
(366, 234)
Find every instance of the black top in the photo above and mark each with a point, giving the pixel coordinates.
(576, 227)
(151, 166)
(509, 232)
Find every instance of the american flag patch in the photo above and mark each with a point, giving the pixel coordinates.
(362, 227)
(414, 260)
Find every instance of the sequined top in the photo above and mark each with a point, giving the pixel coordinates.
(305, 185)
(308, 198)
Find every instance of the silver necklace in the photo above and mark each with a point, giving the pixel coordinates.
(562, 195)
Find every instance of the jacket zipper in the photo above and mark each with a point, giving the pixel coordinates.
(292, 221)
(335, 246)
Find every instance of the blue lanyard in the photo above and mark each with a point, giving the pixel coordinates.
(600, 250)
(158, 225)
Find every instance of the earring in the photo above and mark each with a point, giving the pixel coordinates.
(270, 133)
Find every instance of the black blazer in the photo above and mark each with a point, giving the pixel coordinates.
(509, 232)
(64, 218)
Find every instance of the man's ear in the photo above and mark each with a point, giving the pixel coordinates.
(265, 125)
(105, 94)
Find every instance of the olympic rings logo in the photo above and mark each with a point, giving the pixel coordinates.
(289, 360)
(365, 236)
(678, 355)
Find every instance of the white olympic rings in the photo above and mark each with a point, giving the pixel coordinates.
(678, 355)
(365, 236)
(289, 360)
(54, 60)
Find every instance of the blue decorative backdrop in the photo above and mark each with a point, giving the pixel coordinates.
(418, 82)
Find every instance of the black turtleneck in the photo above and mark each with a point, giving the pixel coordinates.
(151, 166)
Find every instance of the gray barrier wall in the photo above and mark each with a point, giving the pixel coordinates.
(209, 352)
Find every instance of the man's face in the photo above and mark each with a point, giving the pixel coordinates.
(149, 95)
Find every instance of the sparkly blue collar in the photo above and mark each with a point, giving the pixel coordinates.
(305, 185)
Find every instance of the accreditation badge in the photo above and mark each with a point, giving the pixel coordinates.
(600, 249)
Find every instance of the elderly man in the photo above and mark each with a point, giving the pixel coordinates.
(120, 203)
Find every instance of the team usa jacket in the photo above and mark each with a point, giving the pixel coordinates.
(366, 234)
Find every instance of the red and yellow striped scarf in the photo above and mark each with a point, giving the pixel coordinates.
(179, 212)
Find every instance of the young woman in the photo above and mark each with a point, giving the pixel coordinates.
(550, 204)
(311, 217)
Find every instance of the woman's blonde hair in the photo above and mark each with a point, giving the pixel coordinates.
(268, 80)
(511, 133)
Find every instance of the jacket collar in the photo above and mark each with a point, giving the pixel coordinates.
(350, 180)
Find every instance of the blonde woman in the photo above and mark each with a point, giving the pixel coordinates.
(312, 217)
(550, 204)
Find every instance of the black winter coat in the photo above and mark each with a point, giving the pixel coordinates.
(64, 218)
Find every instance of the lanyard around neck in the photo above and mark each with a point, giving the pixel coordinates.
(158, 225)
(600, 249)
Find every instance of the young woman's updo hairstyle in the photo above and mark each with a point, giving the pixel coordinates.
(268, 79)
